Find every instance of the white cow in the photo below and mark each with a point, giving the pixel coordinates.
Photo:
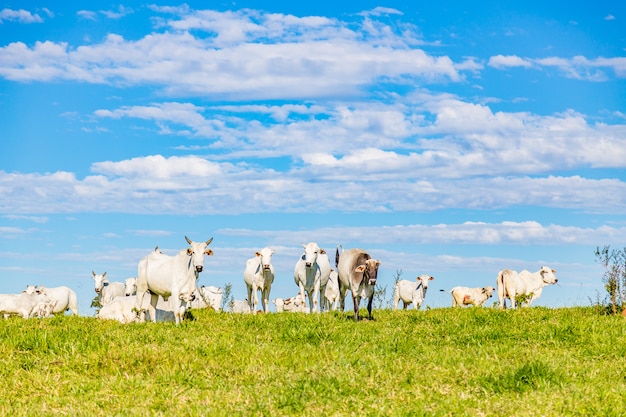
(121, 309)
(411, 292)
(172, 277)
(511, 284)
(307, 275)
(130, 286)
(107, 290)
(331, 294)
(296, 304)
(357, 272)
(25, 305)
(463, 296)
(208, 297)
(259, 276)
(239, 306)
(64, 298)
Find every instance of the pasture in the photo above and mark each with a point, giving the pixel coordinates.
(438, 362)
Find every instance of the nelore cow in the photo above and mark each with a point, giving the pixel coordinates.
(411, 292)
(259, 276)
(25, 305)
(307, 275)
(357, 271)
(106, 290)
(512, 284)
(464, 296)
(331, 293)
(172, 277)
(296, 304)
(208, 297)
(62, 298)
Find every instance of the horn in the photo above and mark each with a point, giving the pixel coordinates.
(188, 240)
(208, 242)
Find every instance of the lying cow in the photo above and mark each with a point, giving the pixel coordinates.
(239, 306)
(512, 284)
(208, 297)
(25, 305)
(463, 296)
(295, 304)
(411, 292)
(63, 298)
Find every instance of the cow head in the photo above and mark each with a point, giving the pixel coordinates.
(547, 275)
(311, 251)
(424, 280)
(265, 256)
(32, 289)
(488, 290)
(130, 286)
(196, 251)
(369, 270)
(99, 281)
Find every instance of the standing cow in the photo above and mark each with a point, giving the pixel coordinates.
(511, 284)
(172, 277)
(357, 272)
(411, 292)
(307, 275)
(259, 276)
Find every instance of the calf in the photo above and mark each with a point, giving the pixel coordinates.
(239, 306)
(25, 305)
(463, 296)
(295, 304)
(410, 292)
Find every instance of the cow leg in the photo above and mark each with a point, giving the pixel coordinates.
(356, 300)
(154, 299)
(265, 294)
(250, 300)
(369, 307)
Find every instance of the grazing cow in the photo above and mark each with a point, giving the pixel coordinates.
(511, 284)
(307, 275)
(411, 292)
(171, 277)
(63, 298)
(259, 276)
(239, 306)
(463, 296)
(107, 290)
(25, 305)
(208, 297)
(331, 294)
(357, 271)
(296, 304)
(130, 286)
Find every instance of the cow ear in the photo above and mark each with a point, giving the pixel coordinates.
(209, 252)
(359, 268)
(431, 278)
(189, 251)
(554, 271)
(322, 251)
(257, 253)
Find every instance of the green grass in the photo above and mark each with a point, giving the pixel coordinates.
(440, 362)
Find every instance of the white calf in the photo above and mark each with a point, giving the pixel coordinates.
(295, 304)
(208, 297)
(411, 292)
(239, 306)
(463, 296)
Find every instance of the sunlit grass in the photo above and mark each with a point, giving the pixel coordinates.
(470, 362)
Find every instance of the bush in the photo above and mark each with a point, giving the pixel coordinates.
(614, 276)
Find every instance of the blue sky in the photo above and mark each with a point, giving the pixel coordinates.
(448, 138)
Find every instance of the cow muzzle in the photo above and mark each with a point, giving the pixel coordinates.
(308, 264)
(266, 267)
(199, 268)
(372, 281)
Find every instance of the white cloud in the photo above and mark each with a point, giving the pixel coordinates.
(501, 61)
(20, 16)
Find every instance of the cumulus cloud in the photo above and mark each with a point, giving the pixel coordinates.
(19, 16)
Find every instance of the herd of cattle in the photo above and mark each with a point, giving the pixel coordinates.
(171, 282)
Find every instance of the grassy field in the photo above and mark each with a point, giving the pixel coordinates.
(452, 362)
